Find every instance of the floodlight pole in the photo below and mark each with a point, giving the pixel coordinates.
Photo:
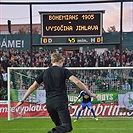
(31, 47)
(121, 38)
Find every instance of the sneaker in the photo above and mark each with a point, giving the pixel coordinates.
(75, 120)
(96, 119)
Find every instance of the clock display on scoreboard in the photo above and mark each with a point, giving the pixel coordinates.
(71, 40)
(69, 27)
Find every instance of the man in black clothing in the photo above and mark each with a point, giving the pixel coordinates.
(56, 93)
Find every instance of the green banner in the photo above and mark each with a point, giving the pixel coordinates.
(17, 95)
(18, 41)
(110, 96)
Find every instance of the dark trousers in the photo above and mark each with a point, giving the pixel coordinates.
(59, 113)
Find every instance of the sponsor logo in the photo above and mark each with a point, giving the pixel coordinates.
(40, 110)
(128, 100)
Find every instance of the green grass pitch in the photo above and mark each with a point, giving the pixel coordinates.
(83, 125)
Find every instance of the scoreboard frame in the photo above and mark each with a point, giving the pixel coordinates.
(71, 25)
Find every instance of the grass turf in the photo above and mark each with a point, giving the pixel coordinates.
(83, 125)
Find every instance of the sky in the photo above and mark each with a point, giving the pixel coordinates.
(20, 14)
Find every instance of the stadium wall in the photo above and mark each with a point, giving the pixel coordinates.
(22, 42)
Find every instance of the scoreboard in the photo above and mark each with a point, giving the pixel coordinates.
(71, 27)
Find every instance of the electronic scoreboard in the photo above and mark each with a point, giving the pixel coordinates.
(59, 28)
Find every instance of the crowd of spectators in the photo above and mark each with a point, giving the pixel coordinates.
(88, 58)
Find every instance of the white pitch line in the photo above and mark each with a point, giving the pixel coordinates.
(14, 129)
(103, 129)
(131, 129)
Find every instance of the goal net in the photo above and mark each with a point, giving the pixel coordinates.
(114, 85)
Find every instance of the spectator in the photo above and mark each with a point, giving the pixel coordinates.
(110, 76)
(94, 87)
(91, 80)
(4, 78)
(117, 63)
(107, 61)
(126, 86)
(99, 81)
(118, 85)
(127, 62)
(104, 86)
(97, 62)
(5, 63)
